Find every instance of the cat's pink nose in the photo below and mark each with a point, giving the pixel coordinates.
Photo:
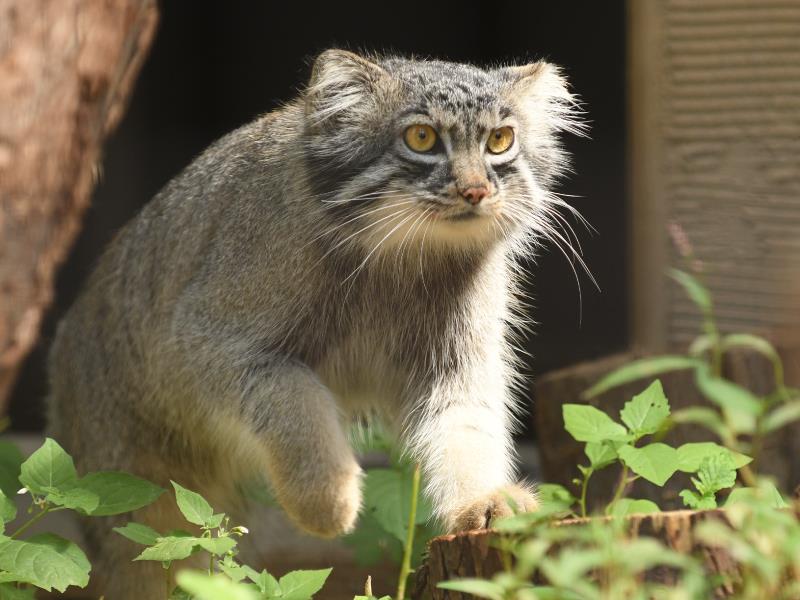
(474, 194)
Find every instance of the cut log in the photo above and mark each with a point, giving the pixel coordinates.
(67, 68)
(474, 553)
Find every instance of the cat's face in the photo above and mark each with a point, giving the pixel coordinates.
(405, 151)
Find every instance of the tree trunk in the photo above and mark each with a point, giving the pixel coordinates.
(67, 68)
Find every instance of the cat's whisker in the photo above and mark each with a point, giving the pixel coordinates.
(354, 234)
(361, 215)
(408, 232)
(371, 252)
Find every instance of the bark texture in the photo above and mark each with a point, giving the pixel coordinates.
(67, 68)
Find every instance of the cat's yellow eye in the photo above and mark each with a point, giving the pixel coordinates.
(500, 140)
(420, 138)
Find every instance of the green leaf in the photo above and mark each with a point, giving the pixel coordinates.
(600, 455)
(691, 455)
(701, 415)
(782, 415)
(232, 569)
(554, 495)
(740, 405)
(179, 594)
(645, 368)
(76, 498)
(628, 506)
(371, 543)
(11, 592)
(302, 585)
(141, 534)
(587, 424)
(700, 345)
(169, 548)
(118, 493)
(694, 289)
(193, 506)
(477, 587)
(766, 492)
(265, 582)
(751, 342)
(387, 498)
(46, 561)
(218, 546)
(715, 473)
(213, 587)
(654, 462)
(49, 468)
(8, 508)
(646, 412)
(10, 461)
(215, 521)
(696, 501)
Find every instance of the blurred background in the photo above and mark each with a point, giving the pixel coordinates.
(210, 71)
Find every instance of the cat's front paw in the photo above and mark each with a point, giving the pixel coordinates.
(502, 502)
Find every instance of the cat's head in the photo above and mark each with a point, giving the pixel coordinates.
(405, 152)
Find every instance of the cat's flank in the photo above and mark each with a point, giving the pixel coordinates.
(351, 253)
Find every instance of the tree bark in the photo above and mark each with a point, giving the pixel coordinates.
(67, 68)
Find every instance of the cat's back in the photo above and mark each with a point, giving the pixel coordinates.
(126, 309)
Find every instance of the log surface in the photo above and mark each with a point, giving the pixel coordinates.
(473, 554)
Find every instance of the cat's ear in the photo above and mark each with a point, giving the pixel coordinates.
(542, 90)
(343, 85)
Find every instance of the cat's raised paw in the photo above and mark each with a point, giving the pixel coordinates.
(502, 502)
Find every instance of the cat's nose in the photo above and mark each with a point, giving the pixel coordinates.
(474, 194)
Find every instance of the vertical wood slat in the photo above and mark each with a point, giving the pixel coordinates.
(715, 146)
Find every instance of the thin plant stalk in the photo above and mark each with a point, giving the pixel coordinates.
(405, 567)
(584, 487)
(47, 509)
(623, 483)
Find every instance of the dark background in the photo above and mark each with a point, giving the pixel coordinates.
(214, 67)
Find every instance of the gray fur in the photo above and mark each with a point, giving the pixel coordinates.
(308, 267)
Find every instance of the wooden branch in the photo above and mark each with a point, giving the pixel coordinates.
(67, 68)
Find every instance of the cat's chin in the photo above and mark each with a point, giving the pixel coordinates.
(466, 231)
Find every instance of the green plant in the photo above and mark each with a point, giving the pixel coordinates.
(593, 560)
(395, 521)
(47, 561)
(219, 541)
(738, 417)
(608, 442)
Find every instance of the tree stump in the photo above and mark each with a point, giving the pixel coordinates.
(67, 68)
(473, 554)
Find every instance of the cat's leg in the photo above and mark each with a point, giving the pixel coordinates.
(309, 462)
(463, 438)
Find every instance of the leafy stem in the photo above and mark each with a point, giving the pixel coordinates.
(623, 483)
(48, 508)
(405, 567)
(584, 486)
